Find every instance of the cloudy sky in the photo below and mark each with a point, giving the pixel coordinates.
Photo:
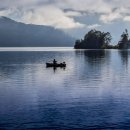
(75, 17)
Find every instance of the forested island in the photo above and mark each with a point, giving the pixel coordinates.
(95, 39)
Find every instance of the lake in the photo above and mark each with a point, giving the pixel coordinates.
(92, 92)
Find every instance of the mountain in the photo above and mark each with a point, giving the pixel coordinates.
(16, 34)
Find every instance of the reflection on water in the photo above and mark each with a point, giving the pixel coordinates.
(124, 56)
(55, 68)
(93, 91)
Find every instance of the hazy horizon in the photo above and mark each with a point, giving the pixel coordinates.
(71, 16)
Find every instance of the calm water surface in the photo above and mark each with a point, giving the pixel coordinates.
(93, 92)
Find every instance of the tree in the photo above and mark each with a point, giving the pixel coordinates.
(94, 40)
(123, 43)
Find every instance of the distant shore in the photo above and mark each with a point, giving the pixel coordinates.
(95, 39)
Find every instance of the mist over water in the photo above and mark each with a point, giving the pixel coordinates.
(93, 92)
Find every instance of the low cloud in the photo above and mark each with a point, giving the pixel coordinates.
(126, 18)
(93, 26)
(115, 14)
(45, 15)
(108, 18)
(51, 16)
(73, 14)
(52, 12)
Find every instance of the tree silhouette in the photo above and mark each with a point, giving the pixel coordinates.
(123, 43)
(94, 40)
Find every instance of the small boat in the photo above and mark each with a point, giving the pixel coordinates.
(56, 64)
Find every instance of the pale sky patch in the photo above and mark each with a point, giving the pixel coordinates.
(93, 26)
(126, 18)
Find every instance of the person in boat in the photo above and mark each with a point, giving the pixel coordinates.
(54, 61)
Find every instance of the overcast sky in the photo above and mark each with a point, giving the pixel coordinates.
(75, 17)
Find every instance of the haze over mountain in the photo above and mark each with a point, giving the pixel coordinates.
(74, 17)
(16, 34)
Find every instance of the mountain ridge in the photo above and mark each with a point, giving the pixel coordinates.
(17, 34)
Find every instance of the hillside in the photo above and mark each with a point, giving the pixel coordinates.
(15, 34)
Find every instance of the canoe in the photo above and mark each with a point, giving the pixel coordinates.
(55, 65)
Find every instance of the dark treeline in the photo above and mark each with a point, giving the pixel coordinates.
(101, 40)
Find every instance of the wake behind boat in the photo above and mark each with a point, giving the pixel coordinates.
(55, 64)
